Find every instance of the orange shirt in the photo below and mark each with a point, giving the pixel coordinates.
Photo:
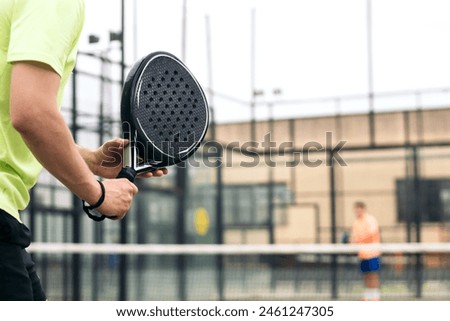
(365, 230)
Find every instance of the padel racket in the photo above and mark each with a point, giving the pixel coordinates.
(164, 115)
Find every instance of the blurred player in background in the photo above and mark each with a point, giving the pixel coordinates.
(365, 230)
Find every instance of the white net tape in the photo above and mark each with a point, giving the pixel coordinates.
(236, 249)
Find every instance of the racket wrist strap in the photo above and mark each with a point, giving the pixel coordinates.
(87, 208)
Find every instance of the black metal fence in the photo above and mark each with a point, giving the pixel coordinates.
(202, 204)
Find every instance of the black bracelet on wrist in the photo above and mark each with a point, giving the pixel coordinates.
(87, 208)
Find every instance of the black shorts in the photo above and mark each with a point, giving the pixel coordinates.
(18, 278)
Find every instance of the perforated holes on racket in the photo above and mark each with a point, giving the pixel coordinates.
(171, 108)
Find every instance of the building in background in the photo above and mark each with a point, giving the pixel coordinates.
(404, 177)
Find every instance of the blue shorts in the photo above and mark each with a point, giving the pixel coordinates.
(370, 265)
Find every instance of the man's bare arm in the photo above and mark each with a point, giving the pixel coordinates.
(34, 114)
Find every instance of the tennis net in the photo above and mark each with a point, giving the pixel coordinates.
(410, 271)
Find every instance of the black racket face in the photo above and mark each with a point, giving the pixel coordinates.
(169, 109)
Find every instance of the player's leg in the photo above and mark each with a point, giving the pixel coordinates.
(15, 284)
(372, 285)
(38, 291)
(370, 269)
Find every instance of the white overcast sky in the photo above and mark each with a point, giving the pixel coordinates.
(307, 48)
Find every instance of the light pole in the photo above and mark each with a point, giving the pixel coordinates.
(120, 36)
(103, 57)
(255, 94)
(271, 188)
(181, 181)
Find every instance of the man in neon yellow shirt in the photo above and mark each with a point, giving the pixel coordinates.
(38, 45)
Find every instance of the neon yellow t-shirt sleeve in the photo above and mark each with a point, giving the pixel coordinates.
(45, 31)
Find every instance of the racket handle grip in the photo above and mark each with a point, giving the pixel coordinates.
(128, 173)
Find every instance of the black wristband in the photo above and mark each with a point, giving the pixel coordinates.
(100, 201)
